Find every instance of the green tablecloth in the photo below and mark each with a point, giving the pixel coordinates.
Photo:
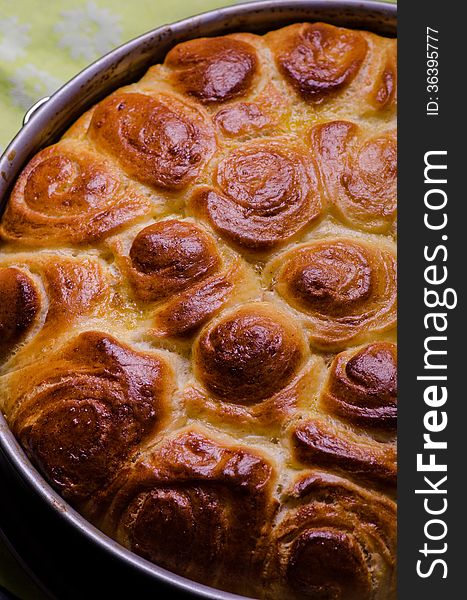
(43, 43)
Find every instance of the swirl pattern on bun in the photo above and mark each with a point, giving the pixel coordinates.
(184, 315)
(266, 193)
(213, 69)
(383, 93)
(333, 539)
(68, 194)
(359, 173)
(265, 114)
(362, 386)
(249, 354)
(46, 295)
(209, 501)
(268, 416)
(169, 256)
(175, 265)
(344, 288)
(320, 443)
(318, 59)
(160, 141)
(81, 415)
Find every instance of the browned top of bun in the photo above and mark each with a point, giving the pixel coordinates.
(319, 59)
(358, 173)
(362, 386)
(325, 538)
(264, 193)
(197, 326)
(69, 194)
(160, 141)
(83, 412)
(213, 69)
(210, 500)
(19, 307)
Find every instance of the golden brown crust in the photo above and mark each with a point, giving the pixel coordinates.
(269, 416)
(68, 194)
(359, 173)
(265, 114)
(169, 256)
(213, 69)
(198, 312)
(159, 141)
(177, 270)
(53, 294)
(318, 59)
(65, 290)
(333, 539)
(209, 501)
(266, 193)
(383, 95)
(72, 287)
(317, 443)
(249, 354)
(185, 314)
(19, 307)
(344, 288)
(362, 386)
(81, 415)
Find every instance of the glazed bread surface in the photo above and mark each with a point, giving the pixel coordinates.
(198, 312)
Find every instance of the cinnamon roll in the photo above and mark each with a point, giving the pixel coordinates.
(83, 413)
(265, 114)
(344, 289)
(249, 354)
(332, 539)
(45, 296)
(241, 119)
(266, 193)
(68, 194)
(362, 386)
(269, 416)
(160, 141)
(213, 69)
(359, 173)
(176, 266)
(170, 256)
(318, 59)
(210, 501)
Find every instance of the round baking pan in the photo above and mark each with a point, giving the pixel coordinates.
(77, 560)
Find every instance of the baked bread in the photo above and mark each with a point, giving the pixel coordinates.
(198, 310)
